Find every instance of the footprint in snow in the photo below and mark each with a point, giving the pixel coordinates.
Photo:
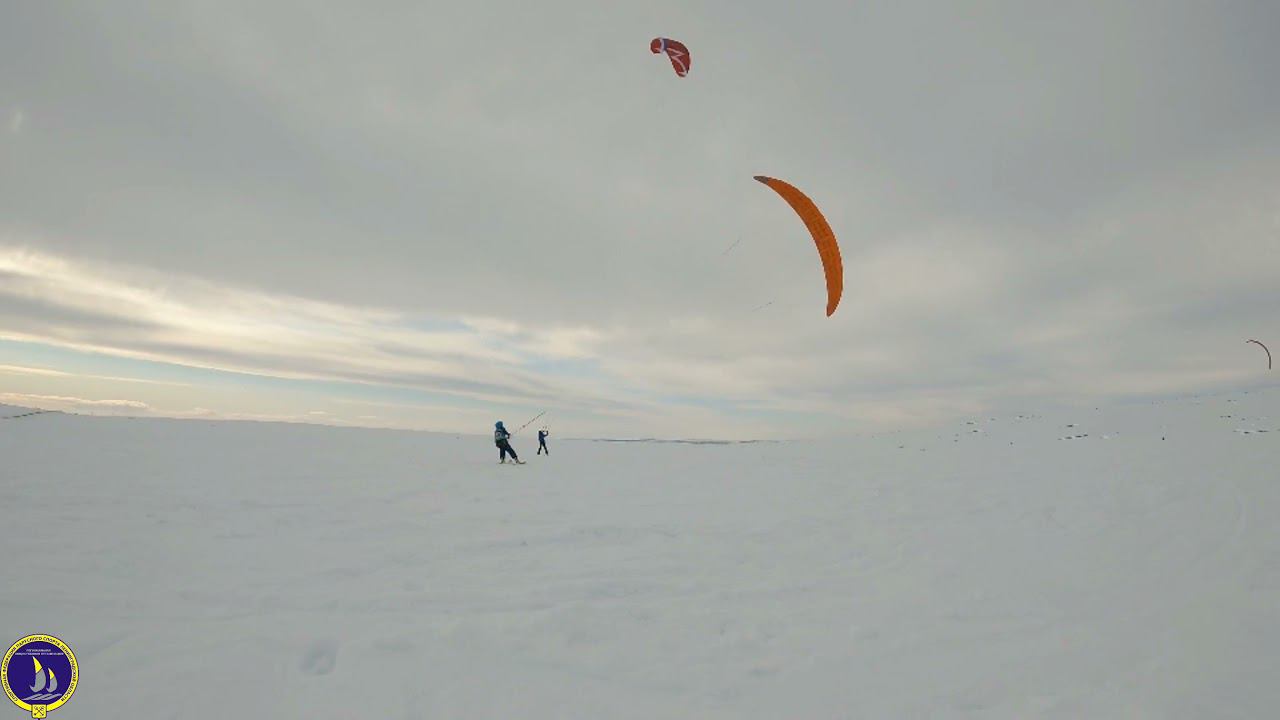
(320, 658)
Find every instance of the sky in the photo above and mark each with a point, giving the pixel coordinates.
(437, 215)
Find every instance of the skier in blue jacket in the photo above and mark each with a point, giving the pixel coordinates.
(542, 441)
(502, 439)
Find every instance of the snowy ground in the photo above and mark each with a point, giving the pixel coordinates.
(1009, 568)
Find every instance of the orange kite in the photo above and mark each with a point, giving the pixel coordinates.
(823, 237)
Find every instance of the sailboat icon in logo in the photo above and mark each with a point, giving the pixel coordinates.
(46, 684)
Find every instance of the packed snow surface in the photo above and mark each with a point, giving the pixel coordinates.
(1114, 563)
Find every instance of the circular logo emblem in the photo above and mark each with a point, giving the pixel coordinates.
(39, 673)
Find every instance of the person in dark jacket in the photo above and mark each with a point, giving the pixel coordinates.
(542, 441)
(502, 439)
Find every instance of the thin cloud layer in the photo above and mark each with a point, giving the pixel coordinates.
(57, 402)
(191, 322)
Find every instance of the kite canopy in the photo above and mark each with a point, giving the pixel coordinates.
(1264, 347)
(823, 237)
(676, 51)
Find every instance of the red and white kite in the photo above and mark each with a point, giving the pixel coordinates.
(675, 50)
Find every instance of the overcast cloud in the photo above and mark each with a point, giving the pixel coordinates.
(482, 209)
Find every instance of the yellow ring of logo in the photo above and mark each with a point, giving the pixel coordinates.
(71, 686)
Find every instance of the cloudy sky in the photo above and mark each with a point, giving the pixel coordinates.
(434, 215)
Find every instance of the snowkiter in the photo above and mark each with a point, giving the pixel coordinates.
(502, 439)
(542, 441)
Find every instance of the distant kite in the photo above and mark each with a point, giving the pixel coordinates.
(676, 51)
(823, 237)
(1264, 347)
